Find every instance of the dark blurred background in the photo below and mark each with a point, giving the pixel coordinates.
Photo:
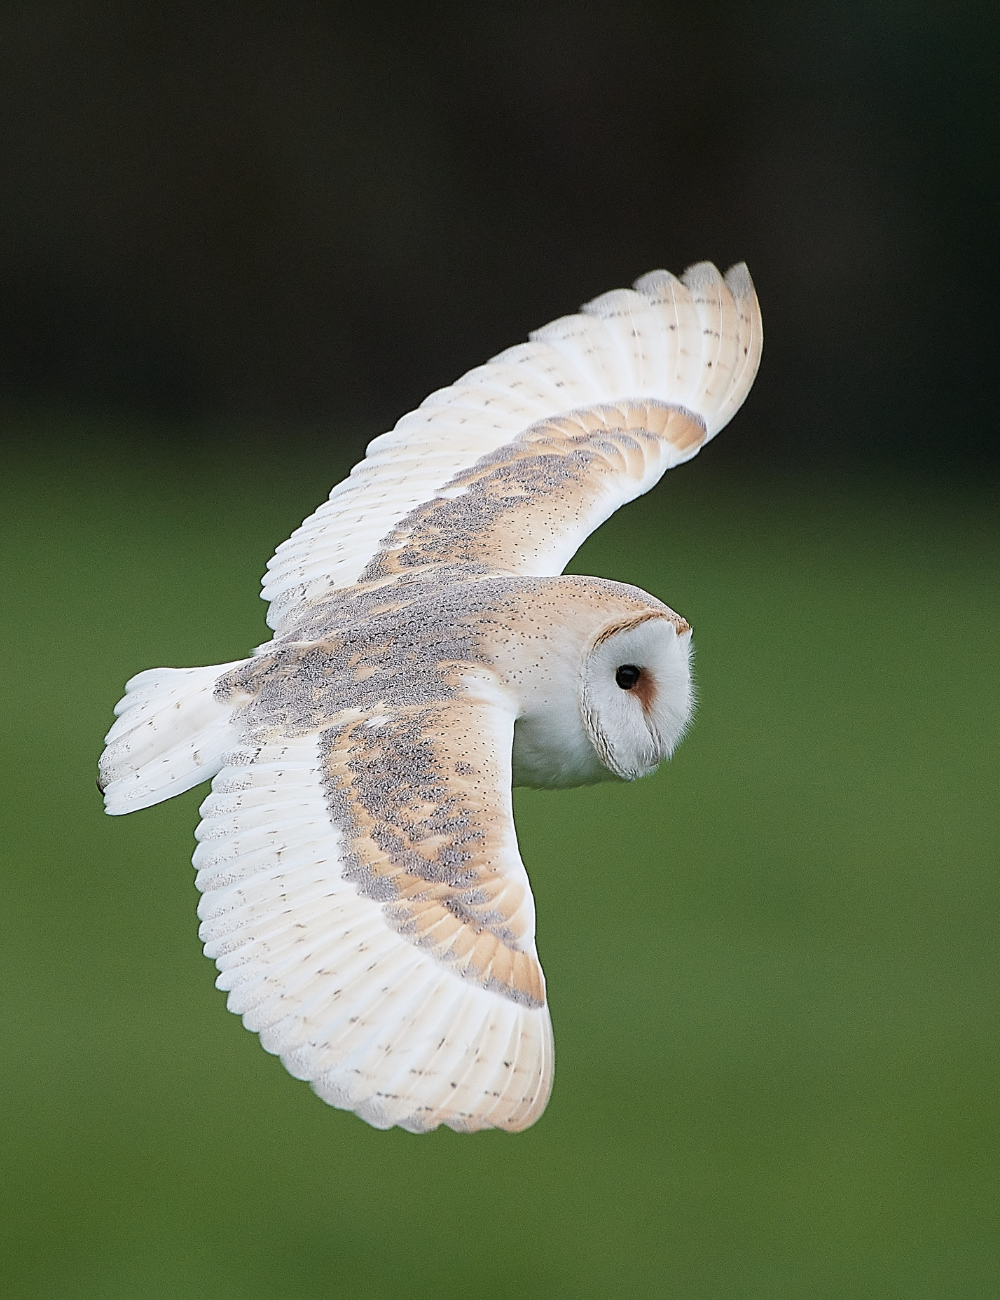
(305, 216)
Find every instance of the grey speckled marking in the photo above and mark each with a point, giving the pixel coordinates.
(410, 771)
(544, 484)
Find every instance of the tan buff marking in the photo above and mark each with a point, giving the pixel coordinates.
(414, 773)
(681, 625)
(545, 483)
(428, 841)
(645, 691)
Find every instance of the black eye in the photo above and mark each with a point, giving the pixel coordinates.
(627, 676)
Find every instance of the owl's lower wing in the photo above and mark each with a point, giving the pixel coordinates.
(367, 907)
(692, 345)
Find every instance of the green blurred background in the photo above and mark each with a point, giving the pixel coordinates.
(237, 241)
(772, 965)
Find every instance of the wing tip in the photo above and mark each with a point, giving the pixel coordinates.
(701, 275)
(739, 281)
(658, 286)
(614, 304)
(510, 1105)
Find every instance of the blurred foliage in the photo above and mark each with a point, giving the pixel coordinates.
(772, 965)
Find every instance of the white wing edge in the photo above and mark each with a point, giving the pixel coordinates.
(694, 342)
(376, 1024)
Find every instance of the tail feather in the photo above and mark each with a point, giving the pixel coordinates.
(170, 735)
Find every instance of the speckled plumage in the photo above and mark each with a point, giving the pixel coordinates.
(363, 894)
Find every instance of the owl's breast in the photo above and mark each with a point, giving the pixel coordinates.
(552, 749)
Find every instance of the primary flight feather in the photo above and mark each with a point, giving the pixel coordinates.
(363, 894)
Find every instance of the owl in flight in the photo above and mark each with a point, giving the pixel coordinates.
(362, 891)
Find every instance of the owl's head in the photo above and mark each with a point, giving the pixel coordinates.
(636, 695)
(601, 675)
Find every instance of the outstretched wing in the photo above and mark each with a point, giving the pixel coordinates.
(367, 907)
(691, 345)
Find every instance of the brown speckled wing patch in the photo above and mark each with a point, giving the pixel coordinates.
(421, 796)
(540, 493)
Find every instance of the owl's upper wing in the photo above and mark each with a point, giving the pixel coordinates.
(681, 354)
(366, 903)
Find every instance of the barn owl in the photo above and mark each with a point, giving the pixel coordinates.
(362, 892)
